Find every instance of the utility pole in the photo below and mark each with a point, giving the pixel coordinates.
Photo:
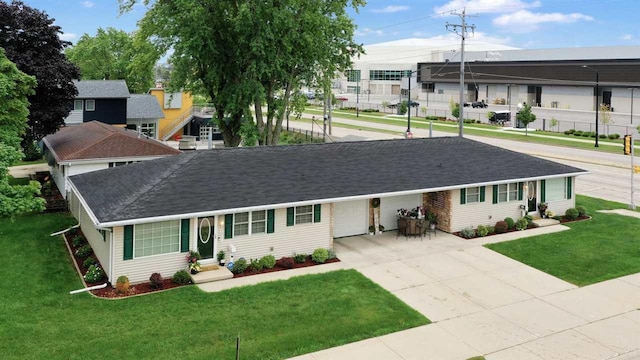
(461, 30)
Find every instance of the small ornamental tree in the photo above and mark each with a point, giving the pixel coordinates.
(525, 116)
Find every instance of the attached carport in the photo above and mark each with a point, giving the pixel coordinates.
(389, 208)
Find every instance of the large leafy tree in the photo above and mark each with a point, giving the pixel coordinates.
(526, 117)
(32, 42)
(250, 52)
(15, 87)
(115, 55)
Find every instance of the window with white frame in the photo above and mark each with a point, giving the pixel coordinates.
(241, 224)
(78, 105)
(148, 129)
(507, 192)
(90, 105)
(556, 189)
(473, 195)
(258, 222)
(304, 214)
(156, 238)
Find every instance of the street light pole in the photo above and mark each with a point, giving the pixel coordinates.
(358, 97)
(631, 104)
(409, 106)
(597, 98)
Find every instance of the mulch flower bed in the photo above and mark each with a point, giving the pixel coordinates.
(562, 220)
(281, 265)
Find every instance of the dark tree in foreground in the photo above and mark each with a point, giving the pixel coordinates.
(32, 42)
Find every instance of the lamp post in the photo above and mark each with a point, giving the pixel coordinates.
(631, 104)
(597, 98)
(409, 106)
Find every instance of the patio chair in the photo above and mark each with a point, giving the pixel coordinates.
(403, 227)
(423, 229)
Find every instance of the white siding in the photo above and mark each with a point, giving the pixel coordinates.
(75, 117)
(569, 97)
(76, 169)
(100, 246)
(58, 178)
(140, 269)
(389, 208)
(284, 241)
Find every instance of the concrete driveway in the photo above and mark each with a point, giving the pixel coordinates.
(483, 303)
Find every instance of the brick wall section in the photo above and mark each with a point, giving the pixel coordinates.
(440, 204)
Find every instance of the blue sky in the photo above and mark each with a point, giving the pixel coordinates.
(518, 23)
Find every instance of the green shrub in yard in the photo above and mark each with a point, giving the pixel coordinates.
(78, 241)
(482, 231)
(84, 251)
(239, 266)
(571, 214)
(577, 133)
(568, 132)
(491, 229)
(602, 136)
(94, 274)
(89, 261)
(510, 223)
(72, 231)
(300, 258)
(122, 284)
(182, 277)
(319, 256)
(586, 134)
(581, 211)
(155, 281)
(268, 261)
(468, 233)
(501, 227)
(255, 265)
(522, 223)
(331, 254)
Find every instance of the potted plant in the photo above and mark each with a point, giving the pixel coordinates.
(220, 256)
(372, 230)
(433, 220)
(542, 208)
(380, 229)
(192, 262)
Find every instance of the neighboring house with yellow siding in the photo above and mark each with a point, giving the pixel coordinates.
(181, 117)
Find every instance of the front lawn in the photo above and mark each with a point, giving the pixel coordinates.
(603, 248)
(39, 319)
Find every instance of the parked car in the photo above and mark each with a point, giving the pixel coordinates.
(476, 104)
(395, 105)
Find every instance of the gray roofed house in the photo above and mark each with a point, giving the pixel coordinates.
(284, 199)
(99, 100)
(143, 107)
(101, 89)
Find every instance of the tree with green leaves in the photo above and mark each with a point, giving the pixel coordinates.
(115, 55)
(525, 116)
(15, 87)
(251, 53)
(31, 41)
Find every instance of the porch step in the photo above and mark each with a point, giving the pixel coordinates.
(210, 275)
(545, 222)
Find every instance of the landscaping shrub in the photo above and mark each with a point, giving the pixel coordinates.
(432, 117)
(482, 231)
(331, 254)
(577, 133)
(182, 277)
(122, 284)
(491, 229)
(73, 231)
(581, 210)
(300, 258)
(268, 261)
(571, 214)
(155, 281)
(255, 265)
(510, 223)
(286, 262)
(522, 223)
(468, 233)
(370, 110)
(94, 274)
(501, 227)
(78, 241)
(568, 132)
(529, 218)
(319, 256)
(89, 261)
(592, 134)
(84, 251)
(586, 134)
(239, 266)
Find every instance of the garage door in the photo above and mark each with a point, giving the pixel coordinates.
(351, 218)
(389, 208)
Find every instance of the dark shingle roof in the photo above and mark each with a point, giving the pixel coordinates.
(101, 89)
(219, 179)
(143, 106)
(95, 140)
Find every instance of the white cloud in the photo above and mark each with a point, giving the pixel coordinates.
(391, 9)
(68, 36)
(525, 21)
(478, 37)
(87, 4)
(419, 34)
(627, 37)
(368, 31)
(486, 6)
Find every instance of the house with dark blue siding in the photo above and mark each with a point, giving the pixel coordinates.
(101, 100)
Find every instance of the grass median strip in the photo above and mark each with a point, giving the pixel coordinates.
(39, 319)
(603, 248)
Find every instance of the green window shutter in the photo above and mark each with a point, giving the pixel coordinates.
(569, 188)
(520, 189)
(270, 221)
(228, 226)
(128, 242)
(184, 235)
(482, 193)
(463, 196)
(495, 194)
(317, 211)
(543, 190)
(290, 217)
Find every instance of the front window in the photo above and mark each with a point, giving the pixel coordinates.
(304, 214)
(556, 189)
(473, 195)
(258, 222)
(157, 238)
(78, 105)
(90, 105)
(149, 129)
(507, 192)
(241, 224)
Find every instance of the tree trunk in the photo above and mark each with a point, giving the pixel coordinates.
(230, 131)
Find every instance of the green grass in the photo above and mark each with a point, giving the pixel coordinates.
(18, 181)
(603, 248)
(39, 319)
(22, 162)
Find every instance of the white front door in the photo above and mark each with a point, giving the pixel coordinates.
(389, 208)
(350, 218)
